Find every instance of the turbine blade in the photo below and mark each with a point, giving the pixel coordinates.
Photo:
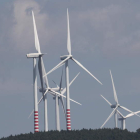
(61, 81)
(64, 96)
(131, 114)
(120, 114)
(129, 110)
(40, 100)
(55, 83)
(78, 63)
(64, 90)
(44, 72)
(57, 66)
(109, 117)
(115, 95)
(42, 97)
(68, 35)
(106, 100)
(40, 71)
(37, 45)
(38, 103)
(63, 107)
(31, 114)
(137, 112)
(53, 94)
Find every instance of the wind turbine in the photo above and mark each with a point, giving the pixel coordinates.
(34, 56)
(57, 98)
(60, 99)
(65, 59)
(54, 92)
(123, 118)
(41, 72)
(115, 106)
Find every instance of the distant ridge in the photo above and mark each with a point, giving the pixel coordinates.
(84, 134)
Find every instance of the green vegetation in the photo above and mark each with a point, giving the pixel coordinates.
(84, 134)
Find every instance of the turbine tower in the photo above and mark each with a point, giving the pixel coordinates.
(65, 59)
(115, 106)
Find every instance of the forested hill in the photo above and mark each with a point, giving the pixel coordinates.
(84, 134)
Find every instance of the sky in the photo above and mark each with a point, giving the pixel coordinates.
(105, 35)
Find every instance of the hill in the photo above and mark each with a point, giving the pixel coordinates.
(84, 134)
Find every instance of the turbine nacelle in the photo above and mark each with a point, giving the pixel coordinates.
(57, 89)
(44, 90)
(55, 98)
(34, 55)
(121, 119)
(65, 56)
(113, 106)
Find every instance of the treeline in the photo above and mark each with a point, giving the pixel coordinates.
(84, 134)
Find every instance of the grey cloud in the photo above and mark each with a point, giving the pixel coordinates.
(23, 27)
(111, 29)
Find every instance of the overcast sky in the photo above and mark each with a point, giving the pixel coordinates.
(104, 35)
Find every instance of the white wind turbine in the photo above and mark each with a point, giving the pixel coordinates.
(65, 59)
(34, 56)
(57, 98)
(123, 118)
(41, 72)
(115, 106)
(60, 99)
(54, 92)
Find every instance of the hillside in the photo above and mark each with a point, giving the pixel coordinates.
(84, 134)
